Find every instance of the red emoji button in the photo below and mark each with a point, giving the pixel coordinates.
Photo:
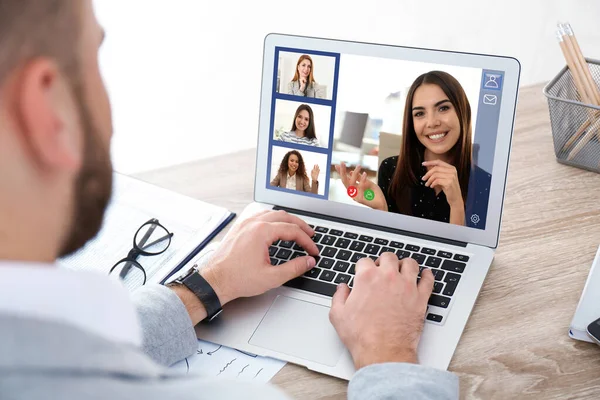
(352, 191)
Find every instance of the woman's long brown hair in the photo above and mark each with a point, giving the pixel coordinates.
(309, 132)
(283, 167)
(412, 150)
(311, 78)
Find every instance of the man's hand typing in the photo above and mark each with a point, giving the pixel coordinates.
(241, 265)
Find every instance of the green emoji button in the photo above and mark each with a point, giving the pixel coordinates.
(369, 194)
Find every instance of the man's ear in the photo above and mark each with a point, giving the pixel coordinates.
(48, 115)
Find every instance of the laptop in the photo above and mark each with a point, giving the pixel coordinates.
(291, 323)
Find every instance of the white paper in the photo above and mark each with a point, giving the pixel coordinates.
(201, 260)
(213, 360)
(206, 254)
(133, 203)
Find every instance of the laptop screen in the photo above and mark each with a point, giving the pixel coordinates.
(391, 135)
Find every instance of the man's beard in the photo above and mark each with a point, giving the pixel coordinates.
(93, 185)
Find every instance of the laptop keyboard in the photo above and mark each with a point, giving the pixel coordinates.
(340, 250)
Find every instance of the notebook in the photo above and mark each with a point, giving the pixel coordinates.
(193, 223)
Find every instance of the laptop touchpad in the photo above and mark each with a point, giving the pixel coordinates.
(300, 329)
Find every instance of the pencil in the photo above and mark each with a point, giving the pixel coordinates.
(593, 93)
(578, 85)
(584, 140)
(586, 70)
(575, 66)
(579, 132)
(587, 90)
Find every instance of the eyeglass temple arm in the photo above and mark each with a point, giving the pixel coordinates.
(128, 265)
(147, 235)
(149, 232)
(156, 241)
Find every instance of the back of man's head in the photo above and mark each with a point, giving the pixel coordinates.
(55, 128)
(39, 28)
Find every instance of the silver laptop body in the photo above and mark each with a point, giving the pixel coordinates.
(291, 323)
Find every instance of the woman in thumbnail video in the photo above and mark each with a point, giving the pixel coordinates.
(303, 128)
(430, 176)
(303, 83)
(292, 174)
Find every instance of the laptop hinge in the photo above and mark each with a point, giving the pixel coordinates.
(372, 226)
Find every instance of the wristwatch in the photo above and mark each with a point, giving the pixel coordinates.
(202, 289)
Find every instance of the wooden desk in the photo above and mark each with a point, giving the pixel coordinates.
(515, 344)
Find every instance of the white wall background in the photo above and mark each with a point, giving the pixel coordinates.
(184, 75)
(323, 70)
(310, 160)
(284, 116)
(371, 94)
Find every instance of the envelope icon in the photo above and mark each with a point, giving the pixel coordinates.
(490, 99)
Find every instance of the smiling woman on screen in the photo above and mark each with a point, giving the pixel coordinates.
(292, 174)
(303, 83)
(303, 128)
(430, 176)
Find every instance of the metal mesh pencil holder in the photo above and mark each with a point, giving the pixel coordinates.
(575, 125)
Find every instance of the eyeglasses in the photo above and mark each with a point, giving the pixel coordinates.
(151, 239)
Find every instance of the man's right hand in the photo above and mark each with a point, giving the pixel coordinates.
(381, 320)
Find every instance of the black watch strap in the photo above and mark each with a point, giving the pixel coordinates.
(205, 293)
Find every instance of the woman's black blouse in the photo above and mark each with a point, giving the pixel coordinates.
(425, 203)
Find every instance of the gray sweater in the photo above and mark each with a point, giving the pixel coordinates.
(45, 359)
(313, 90)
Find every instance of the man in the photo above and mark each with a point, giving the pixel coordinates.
(74, 335)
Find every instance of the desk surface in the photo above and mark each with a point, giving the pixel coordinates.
(515, 344)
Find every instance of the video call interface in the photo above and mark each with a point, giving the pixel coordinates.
(392, 135)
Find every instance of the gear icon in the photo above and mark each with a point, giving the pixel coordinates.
(475, 219)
